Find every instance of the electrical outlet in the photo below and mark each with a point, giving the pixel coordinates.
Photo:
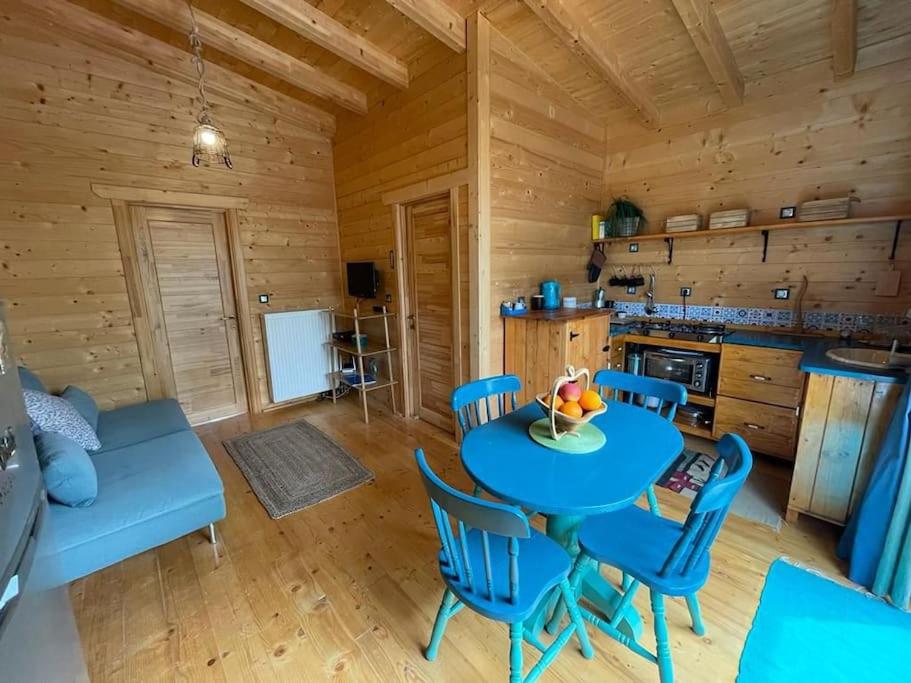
(630, 290)
(783, 293)
(263, 298)
(686, 291)
(633, 247)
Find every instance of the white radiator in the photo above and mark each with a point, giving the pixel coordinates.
(297, 354)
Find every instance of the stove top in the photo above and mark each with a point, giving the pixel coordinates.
(709, 333)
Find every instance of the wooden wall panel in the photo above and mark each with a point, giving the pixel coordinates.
(798, 136)
(409, 136)
(73, 115)
(546, 165)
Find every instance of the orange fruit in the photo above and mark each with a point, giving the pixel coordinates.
(571, 408)
(557, 401)
(590, 400)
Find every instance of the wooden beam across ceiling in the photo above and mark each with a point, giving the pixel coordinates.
(318, 27)
(137, 47)
(243, 46)
(844, 37)
(561, 17)
(437, 18)
(702, 24)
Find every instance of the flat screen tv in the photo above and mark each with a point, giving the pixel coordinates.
(363, 280)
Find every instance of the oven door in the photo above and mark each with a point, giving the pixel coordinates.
(674, 366)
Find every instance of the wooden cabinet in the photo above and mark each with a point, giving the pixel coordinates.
(617, 353)
(759, 395)
(844, 421)
(540, 344)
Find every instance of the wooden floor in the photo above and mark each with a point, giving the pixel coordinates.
(347, 590)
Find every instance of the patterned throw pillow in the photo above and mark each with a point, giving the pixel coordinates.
(55, 414)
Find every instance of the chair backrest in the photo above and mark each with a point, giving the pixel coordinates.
(483, 517)
(710, 506)
(667, 395)
(468, 399)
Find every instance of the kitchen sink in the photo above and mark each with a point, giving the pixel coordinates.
(879, 359)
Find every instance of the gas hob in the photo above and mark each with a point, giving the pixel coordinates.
(707, 333)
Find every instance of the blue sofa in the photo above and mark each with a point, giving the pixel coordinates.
(156, 483)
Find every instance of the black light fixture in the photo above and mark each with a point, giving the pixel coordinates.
(210, 146)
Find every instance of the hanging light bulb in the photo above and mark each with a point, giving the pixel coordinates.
(209, 143)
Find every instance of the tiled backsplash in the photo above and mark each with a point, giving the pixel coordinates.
(774, 317)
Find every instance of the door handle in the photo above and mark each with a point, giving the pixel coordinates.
(752, 425)
(573, 335)
(761, 378)
(228, 317)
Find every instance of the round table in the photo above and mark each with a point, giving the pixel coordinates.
(502, 459)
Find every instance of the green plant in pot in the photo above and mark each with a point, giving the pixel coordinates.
(625, 217)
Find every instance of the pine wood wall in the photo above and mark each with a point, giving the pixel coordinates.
(407, 136)
(72, 115)
(799, 135)
(546, 158)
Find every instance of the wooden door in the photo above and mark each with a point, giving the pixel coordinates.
(586, 339)
(429, 309)
(189, 298)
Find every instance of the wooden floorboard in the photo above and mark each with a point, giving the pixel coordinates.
(347, 590)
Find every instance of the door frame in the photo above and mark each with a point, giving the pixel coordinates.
(123, 200)
(400, 200)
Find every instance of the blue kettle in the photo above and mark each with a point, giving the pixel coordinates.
(550, 290)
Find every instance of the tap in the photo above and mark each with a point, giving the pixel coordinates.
(650, 308)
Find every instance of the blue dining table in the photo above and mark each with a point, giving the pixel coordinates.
(503, 460)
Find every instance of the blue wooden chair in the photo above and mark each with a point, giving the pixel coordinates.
(657, 395)
(500, 568)
(668, 557)
(471, 402)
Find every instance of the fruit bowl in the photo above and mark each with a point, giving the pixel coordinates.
(568, 423)
(568, 406)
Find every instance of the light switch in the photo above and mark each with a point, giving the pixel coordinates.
(263, 298)
(783, 293)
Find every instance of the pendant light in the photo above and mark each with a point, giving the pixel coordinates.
(209, 143)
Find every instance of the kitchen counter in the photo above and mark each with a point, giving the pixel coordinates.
(814, 347)
(565, 314)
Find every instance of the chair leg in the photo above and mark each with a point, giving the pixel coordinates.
(665, 665)
(569, 599)
(652, 500)
(692, 602)
(213, 539)
(439, 626)
(515, 653)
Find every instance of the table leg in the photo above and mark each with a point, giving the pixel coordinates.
(594, 588)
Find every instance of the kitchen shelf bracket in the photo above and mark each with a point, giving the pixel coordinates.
(670, 249)
(765, 245)
(898, 230)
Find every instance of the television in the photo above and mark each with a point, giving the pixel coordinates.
(363, 280)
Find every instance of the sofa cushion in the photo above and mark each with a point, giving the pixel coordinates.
(29, 380)
(55, 414)
(140, 422)
(148, 494)
(83, 403)
(69, 474)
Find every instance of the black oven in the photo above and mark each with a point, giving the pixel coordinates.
(692, 369)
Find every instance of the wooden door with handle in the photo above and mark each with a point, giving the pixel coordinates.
(585, 341)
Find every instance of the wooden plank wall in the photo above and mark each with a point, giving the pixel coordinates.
(72, 115)
(407, 136)
(546, 157)
(799, 135)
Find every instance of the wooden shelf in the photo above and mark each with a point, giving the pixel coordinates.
(381, 383)
(790, 225)
(700, 400)
(704, 432)
(369, 350)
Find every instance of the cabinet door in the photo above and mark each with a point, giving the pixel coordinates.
(767, 429)
(586, 340)
(765, 375)
(617, 353)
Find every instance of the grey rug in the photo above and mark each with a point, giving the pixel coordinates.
(294, 466)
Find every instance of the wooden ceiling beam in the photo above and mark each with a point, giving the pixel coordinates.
(702, 24)
(318, 27)
(134, 46)
(561, 17)
(246, 48)
(844, 37)
(438, 19)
